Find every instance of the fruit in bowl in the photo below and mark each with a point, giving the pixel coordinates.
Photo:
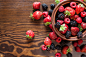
(69, 20)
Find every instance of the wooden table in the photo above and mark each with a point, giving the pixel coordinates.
(15, 21)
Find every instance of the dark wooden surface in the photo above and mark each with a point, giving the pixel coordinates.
(15, 21)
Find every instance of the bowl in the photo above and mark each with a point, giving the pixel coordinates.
(66, 2)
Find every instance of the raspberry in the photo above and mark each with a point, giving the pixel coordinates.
(58, 39)
(43, 47)
(61, 9)
(58, 55)
(45, 13)
(75, 44)
(67, 20)
(80, 41)
(79, 20)
(77, 49)
(73, 4)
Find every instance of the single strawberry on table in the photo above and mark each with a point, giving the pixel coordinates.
(47, 42)
(36, 5)
(65, 49)
(30, 34)
(69, 11)
(63, 28)
(52, 35)
(79, 8)
(36, 15)
(47, 20)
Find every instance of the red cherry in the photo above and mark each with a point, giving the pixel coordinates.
(79, 20)
(67, 20)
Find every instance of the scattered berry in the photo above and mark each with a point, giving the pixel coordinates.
(58, 47)
(73, 4)
(79, 34)
(36, 5)
(80, 41)
(58, 55)
(61, 9)
(67, 20)
(61, 16)
(84, 19)
(68, 34)
(58, 40)
(79, 20)
(57, 25)
(36, 15)
(75, 44)
(52, 35)
(83, 49)
(52, 6)
(44, 7)
(77, 49)
(52, 46)
(83, 55)
(60, 21)
(73, 23)
(30, 34)
(83, 14)
(43, 47)
(45, 14)
(83, 25)
(50, 12)
(69, 54)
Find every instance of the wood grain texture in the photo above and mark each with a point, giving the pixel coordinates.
(15, 21)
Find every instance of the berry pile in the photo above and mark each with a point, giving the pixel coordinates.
(71, 20)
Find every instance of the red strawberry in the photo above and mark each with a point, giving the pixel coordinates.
(47, 20)
(63, 28)
(47, 42)
(36, 15)
(74, 30)
(60, 21)
(36, 5)
(30, 34)
(83, 25)
(69, 11)
(52, 35)
(79, 8)
(79, 20)
(58, 40)
(43, 47)
(50, 26)
(75, 44)
(80, 41)
(65, 50)
(45, 13)
(77, 49)
(58, 55)
(83, 49)
(74, 17)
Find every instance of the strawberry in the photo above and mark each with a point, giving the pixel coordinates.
(45, 13)
(79, 20)
(52, 35)
(50, 26)
(65, 50)
(47, 20)
(69, 11)
(74, 30)
(58, 55)
(36, 5)
(77, 49)
(75, 44)
(79, 8)
(63, 28)
(30, 34)
(60, 21)
(58, 40)
(83, 48)
(80, 41)
(43, 47)
(47, 42)
(83, 25)
(36, 15)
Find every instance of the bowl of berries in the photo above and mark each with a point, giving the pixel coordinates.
(69, 20)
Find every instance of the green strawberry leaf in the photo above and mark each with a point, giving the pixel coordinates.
(67, 13)
(57, 1)
(48, 35)
(81, 5)
(80, 28)
(84, 0)
(62, 27)
(47, 23)
(48, 46)
(68, 50)
(31, 15)
(28, 36)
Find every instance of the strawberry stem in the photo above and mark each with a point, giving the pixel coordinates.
(28, 36)
(67, 13)
(31, 15)
(62, 27)
(47, 23)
